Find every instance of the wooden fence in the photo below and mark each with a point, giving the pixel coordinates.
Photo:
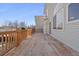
(11, 39)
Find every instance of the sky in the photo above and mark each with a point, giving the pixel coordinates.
(25, 12)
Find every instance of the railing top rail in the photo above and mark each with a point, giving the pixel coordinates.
(7, 32)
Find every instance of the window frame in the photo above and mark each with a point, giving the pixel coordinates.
(67, 11)
(54, 20)
(57, 28)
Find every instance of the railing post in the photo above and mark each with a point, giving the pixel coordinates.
(29, 32)
(17, 38)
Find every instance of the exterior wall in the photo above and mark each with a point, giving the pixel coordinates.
(47, 13)
(69, 35)
(46, 26)
(39, 23)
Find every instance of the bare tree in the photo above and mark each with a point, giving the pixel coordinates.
(15, 24)
(10, 24)
(22, 24)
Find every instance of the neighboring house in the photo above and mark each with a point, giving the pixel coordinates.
(63, 19)
(39, 23)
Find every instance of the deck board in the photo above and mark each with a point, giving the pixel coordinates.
(41, 45)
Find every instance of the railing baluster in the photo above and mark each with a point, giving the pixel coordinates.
(7, 41)
(0, 44)
(11, 39)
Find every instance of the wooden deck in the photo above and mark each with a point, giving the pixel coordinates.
(41, 45)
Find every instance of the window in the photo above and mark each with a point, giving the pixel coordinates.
(73, 12)
(58, 20)
(49, 27)
(54, 22)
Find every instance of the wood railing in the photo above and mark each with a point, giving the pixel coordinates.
(11, 39)
(29, 32)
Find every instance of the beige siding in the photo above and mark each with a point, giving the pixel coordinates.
(39, 22)
(70, 32)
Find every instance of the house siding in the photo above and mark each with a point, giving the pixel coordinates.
(69, 35)
(39, 23)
